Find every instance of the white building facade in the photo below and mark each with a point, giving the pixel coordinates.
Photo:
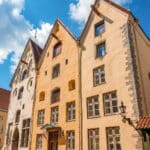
(19, 120)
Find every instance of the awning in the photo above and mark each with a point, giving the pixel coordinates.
(144, 123)
(49, 126)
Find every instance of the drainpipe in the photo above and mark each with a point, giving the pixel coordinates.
(80, 96)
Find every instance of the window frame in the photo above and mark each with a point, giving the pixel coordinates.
(71, 111)
(57, 66)
(39, 124)
(93, 129)
(54, 114)
(73, 146)
(107, 136)
(93, 106)
(58, 44)
(111, 113)
(94, 81)
(23, 133)
(97, 46)
(102, 22)
(40, 135)
(52, 95)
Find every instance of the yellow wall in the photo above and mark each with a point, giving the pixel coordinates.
(47, 84)
(118, 75)
(3, 120)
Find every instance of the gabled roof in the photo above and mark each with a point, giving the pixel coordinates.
(37, 51)
(116, 6)
(58, 21)
(144, 123)
(4, 99)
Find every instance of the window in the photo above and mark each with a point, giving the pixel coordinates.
(93, 139)
(70, 140)
(24, 75)
(71, 111)
(20, 94)
(99, 75)
(39, 142)
(149, 75)
(40, 120)
(57, 49)
(54, 115)
(56, 71)
(99, 28)
(9, 134)
(42, 96)
(66, 61)
(17, 116)
(15, 92)
(55, 95)
(92, 106)
(25, 133)
(110, 103)
(113, 138)
(46, 73)
(1, 129)
(71, 85)
(100, 50)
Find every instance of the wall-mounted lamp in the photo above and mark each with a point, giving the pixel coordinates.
(122, 108)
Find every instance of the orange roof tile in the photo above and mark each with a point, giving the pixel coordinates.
(144, 123)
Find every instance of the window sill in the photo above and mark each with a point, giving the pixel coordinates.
(99, 84)
(71, 120)
(112, 114)
(94, 117)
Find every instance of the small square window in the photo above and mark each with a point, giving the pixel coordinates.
(99, 28)
(46, 73)
(66, 61)
(100, 50)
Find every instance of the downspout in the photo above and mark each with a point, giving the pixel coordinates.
(32, 117)
(80, 96)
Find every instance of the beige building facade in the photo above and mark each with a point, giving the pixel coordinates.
(19, 121)
(56, 109)
(115, 72)
(4, 102)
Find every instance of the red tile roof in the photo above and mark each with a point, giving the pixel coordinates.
(4, 99)
(144, 123)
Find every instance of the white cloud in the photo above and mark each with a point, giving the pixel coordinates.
(15, 31)
(80, 11)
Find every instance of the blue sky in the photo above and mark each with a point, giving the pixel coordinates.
(21, 18)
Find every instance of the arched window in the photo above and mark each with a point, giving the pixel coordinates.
(57, 49)
(17, 116)
(71, 85)
(15, 92)
(20, 94)
(55, 95)
(24, 75)
(42, 96)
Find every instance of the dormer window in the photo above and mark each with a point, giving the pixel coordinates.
(20, 94)
(24, 75)
(99, 28)
(57, 49)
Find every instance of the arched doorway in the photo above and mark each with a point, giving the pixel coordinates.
(15, 140)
